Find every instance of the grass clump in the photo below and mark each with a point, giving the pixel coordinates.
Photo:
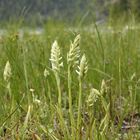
(85, 89)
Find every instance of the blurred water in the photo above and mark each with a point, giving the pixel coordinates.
(90, 29)
(21, 32)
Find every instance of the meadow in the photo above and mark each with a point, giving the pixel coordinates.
(66, 84)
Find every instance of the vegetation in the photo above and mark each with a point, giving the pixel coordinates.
(84, 89)
(63, 76)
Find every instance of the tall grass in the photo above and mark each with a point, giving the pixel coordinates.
(93, 95)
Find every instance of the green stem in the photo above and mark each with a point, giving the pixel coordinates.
(49, 93)
(10, 95)
(59, 90)
(70, 102)
(111, 104)
(79, 109)
(101, 45)
(26, 76)
(62, 123)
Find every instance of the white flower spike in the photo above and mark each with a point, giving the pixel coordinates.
(56, 57)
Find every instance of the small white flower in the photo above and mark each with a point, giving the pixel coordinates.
(32, 90)
(37, 101)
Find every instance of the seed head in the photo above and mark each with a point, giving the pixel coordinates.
(7, 72)
(56, 57)
(74, 52)
(93, 97)
(104, 87)
(83, 68)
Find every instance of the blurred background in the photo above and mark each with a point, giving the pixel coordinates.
(38, 12)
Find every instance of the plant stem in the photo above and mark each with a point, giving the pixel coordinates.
(49, 93)
(70, 102)
(26, 75)
(62, 123)
(59, 90)
(79, 108)
(10, 95)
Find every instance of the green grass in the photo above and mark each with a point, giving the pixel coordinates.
(63, 105)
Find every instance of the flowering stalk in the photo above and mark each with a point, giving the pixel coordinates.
(6, 76)
(46, 74)
(56, 65)
(72, 60)
(82, 70)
